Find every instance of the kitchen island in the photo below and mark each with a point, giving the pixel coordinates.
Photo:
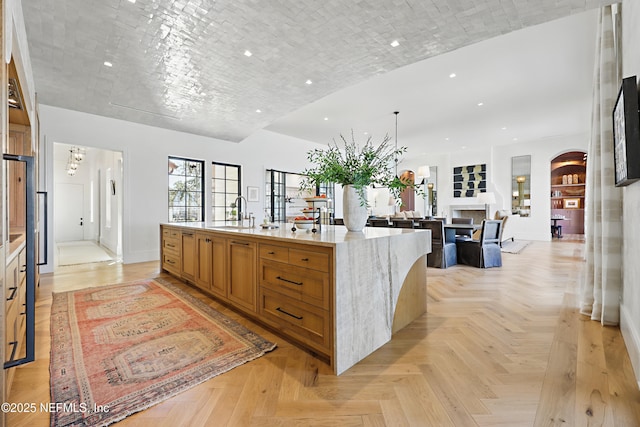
(339, 294)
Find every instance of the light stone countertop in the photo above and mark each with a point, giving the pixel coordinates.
(330, 235)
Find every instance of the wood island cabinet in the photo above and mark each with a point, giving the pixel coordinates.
(210, 268)
(295, 293)
(189, 259)
(317, 290)
(171, 250)
(242, 273)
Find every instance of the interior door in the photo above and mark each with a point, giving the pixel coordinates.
(68, 209)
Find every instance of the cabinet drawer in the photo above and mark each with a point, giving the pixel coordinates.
(302, 284)
(171, 233)
(276, 253)
(315, 260)
(12, 280)
(171, 262)
(171, 244)
(302, 321)
(11, 327)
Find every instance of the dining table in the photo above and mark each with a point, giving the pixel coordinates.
(556, 230)
(450, 230)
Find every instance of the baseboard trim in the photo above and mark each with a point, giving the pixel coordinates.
(631, 336)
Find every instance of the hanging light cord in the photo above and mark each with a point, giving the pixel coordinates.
(396, 156)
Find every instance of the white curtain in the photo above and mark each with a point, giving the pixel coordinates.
(600, 291)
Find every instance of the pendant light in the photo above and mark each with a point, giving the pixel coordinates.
(396, 154)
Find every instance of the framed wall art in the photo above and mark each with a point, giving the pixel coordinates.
(469, 181)
(626, 133)
(253, 194)
(571, 203)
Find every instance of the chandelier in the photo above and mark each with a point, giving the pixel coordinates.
(76, 155)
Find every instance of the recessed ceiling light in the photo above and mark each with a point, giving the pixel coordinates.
(464, 147)
(108, 64)
(258, 111)
(326, 118)
(395, 43)
(446, 139)
(515, 139)
(452, 75)
(132, 1)
(308, 82)
(366, 133)
(247, 53)
(480, 104)
(504, 128)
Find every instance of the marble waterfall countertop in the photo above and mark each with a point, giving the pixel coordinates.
(380, 280)
(329, 236)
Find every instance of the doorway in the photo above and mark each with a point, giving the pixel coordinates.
(87, 208)
(568, 184)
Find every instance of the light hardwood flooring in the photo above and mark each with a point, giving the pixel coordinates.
(498, 347)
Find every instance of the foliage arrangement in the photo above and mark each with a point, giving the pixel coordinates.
(360, 167)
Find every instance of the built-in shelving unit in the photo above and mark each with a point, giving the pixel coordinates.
(568, 178)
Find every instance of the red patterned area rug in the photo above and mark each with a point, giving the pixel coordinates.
(116, 350)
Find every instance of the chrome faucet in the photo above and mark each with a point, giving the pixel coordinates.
(248, 217)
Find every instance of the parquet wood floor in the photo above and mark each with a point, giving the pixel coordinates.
(498, 347)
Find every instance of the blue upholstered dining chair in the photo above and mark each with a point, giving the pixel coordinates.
(443, 253)
(483, 253)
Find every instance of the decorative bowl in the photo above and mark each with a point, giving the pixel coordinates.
(304, 224)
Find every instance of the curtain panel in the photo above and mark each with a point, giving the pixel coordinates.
(602, 285)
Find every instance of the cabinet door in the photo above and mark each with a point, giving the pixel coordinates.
(242, 273)
(189, 259)
(204, 249)
(218, 262)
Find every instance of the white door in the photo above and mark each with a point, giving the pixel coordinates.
(68, 209)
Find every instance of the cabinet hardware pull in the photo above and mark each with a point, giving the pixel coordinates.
(170, 261)
(305, 259)
(14, 290)
(271, 253)
(289, 314)
(187, 234)
(241, 243)
(171, 246)
(208, 240)
(24, 268)
(289, 281)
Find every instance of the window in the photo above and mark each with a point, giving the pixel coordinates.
(186, 183)
(225, 188)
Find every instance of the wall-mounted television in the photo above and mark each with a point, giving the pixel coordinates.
(626, 133)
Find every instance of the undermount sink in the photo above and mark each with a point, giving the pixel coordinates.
(234, 227)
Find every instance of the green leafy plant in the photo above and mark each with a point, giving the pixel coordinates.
(361, 166)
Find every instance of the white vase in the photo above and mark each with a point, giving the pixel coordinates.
(354, 213)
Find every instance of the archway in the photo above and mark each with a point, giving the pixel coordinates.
(568, 183)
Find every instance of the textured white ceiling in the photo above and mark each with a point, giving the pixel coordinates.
(181, 64)
(534, 84)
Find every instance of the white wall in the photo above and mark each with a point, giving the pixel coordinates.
(630, 304)
(498, 160)
(145, 150)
